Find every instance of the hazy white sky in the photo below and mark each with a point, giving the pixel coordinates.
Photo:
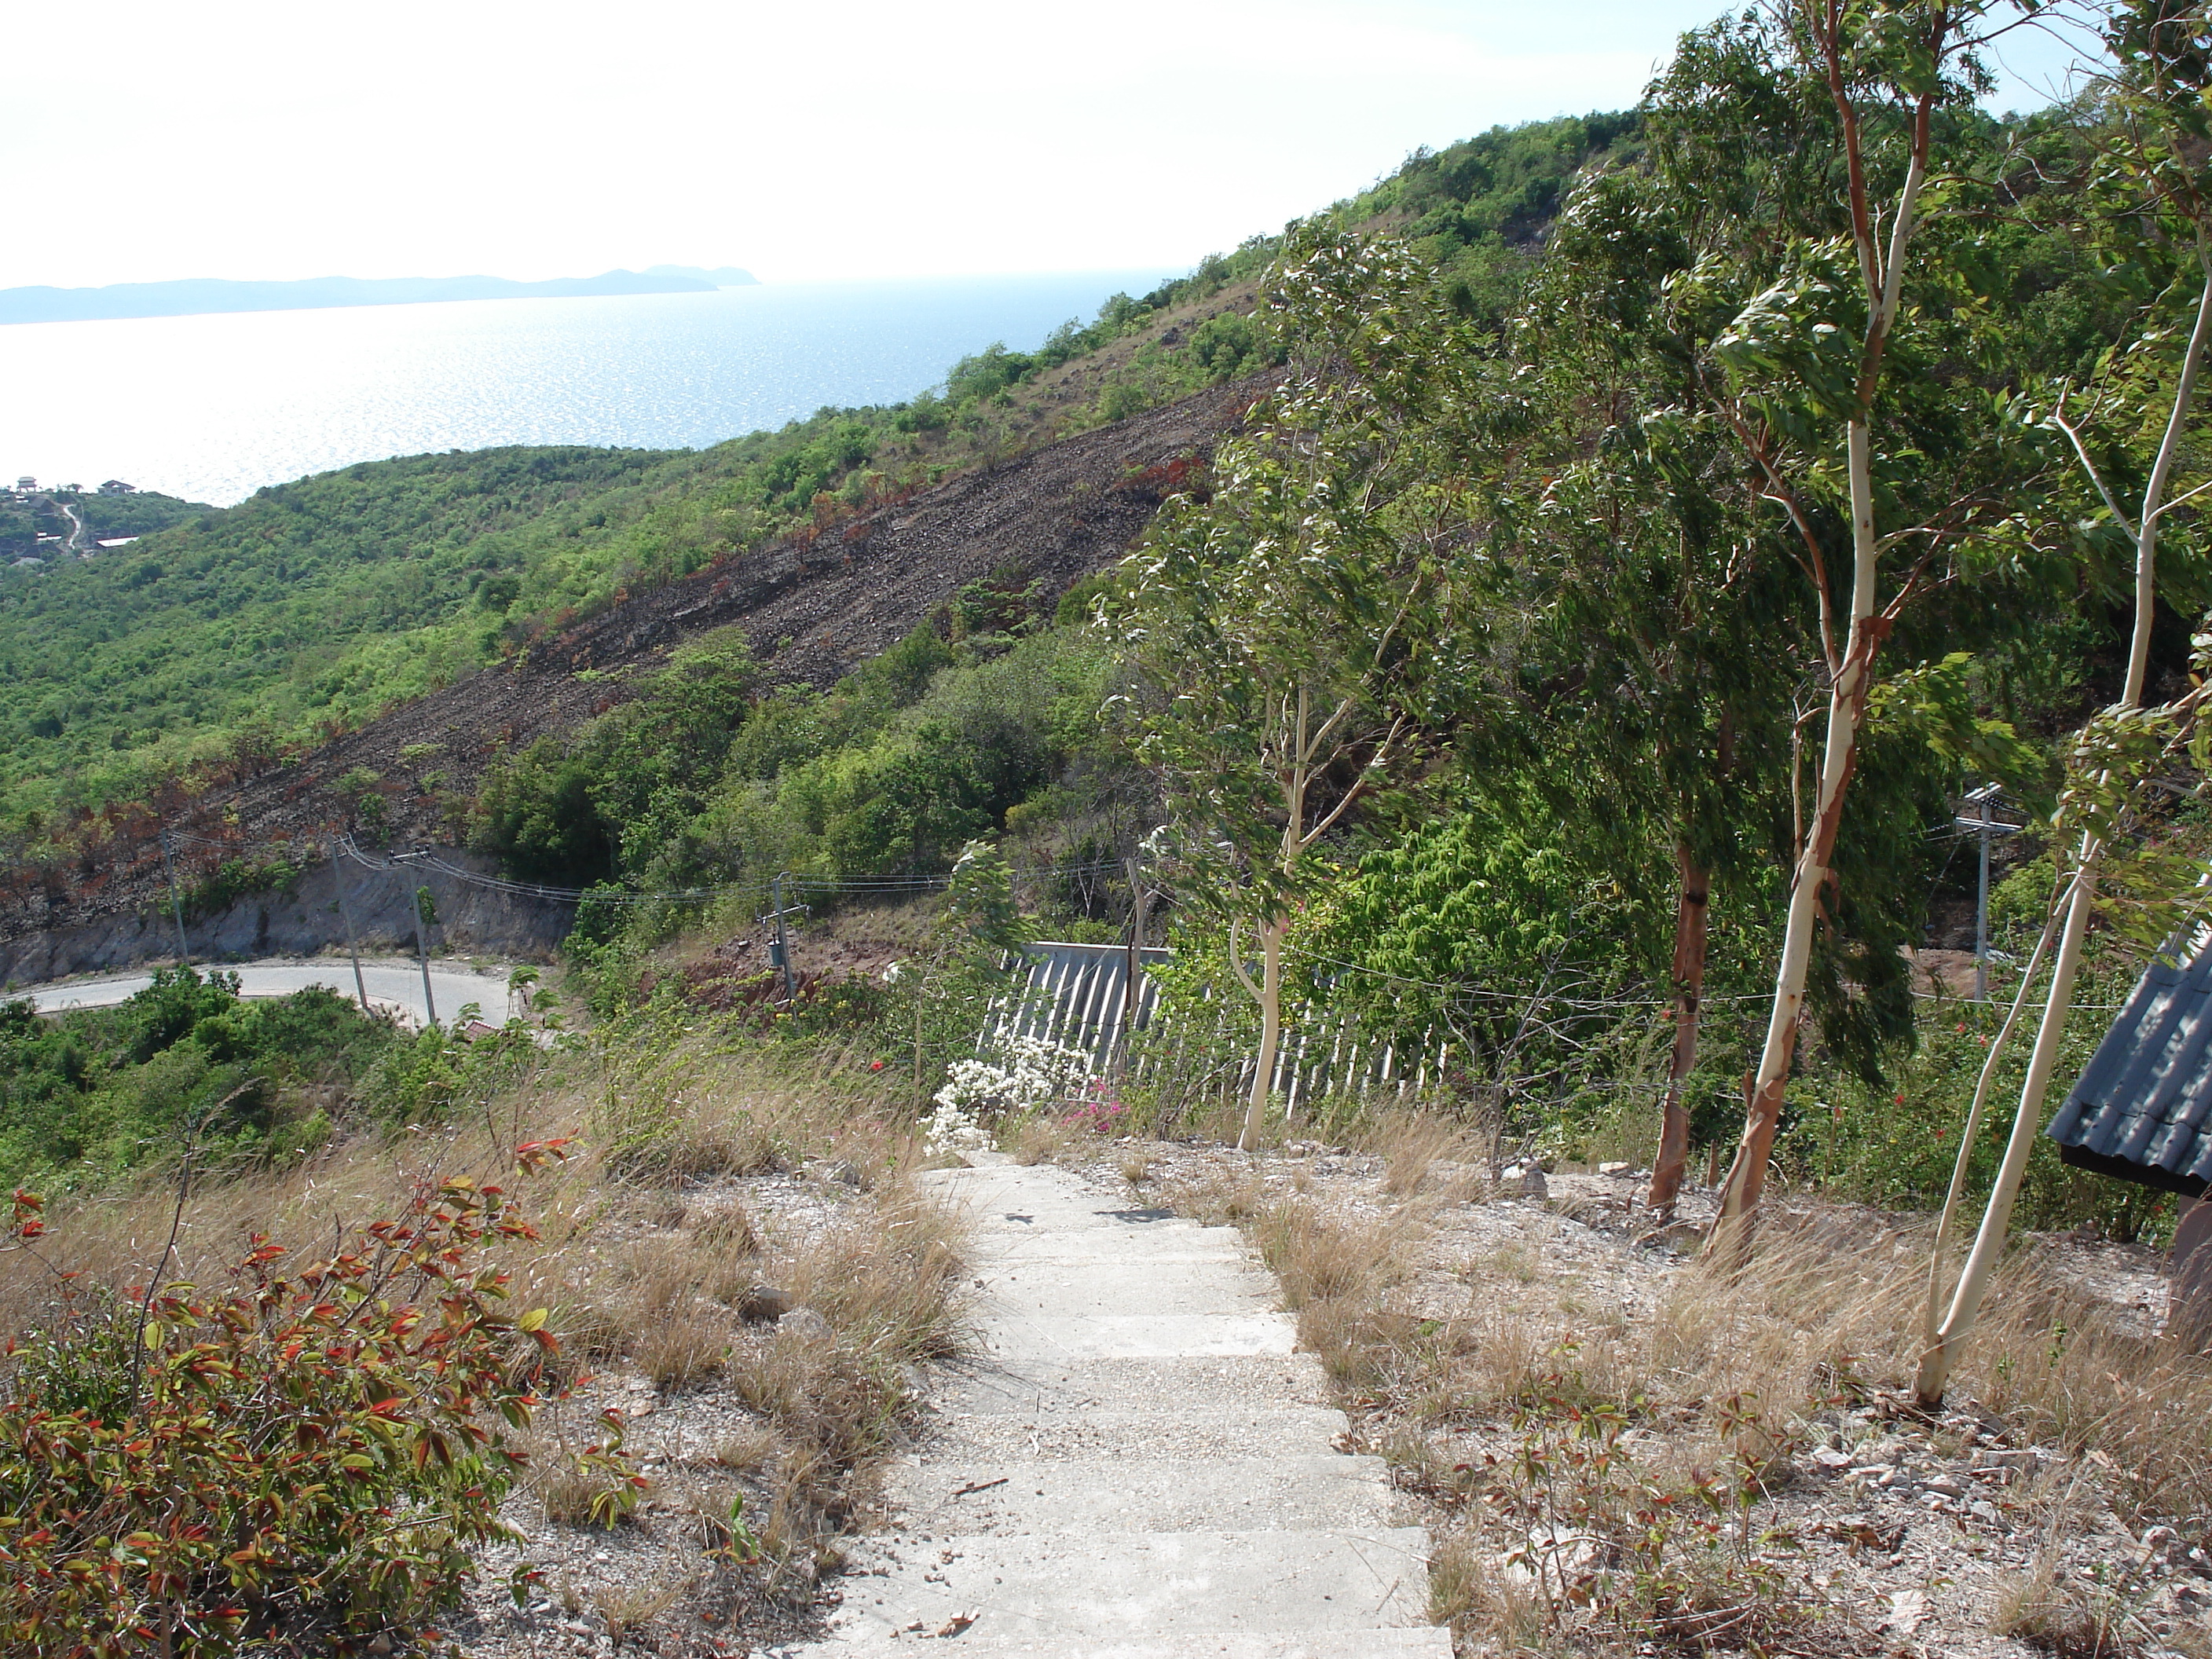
(868, 138)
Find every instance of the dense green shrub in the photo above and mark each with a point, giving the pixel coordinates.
(94, 1092)
(424, 1079)
(698, 784)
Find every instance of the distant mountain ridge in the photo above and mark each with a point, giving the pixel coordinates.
(196, 295)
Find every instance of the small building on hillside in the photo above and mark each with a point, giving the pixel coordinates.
(117, 487)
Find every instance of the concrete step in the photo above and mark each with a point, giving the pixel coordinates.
(1031, 1288)
(997, 1213)
(1251, 1431)
(999, 1498)
(1015, 1341)
(1168, 1386)
(1124, 1586)
(1416, 1642)
(1165, 1248)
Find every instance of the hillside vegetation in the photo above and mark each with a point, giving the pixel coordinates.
(314, 606)
(1548, 688)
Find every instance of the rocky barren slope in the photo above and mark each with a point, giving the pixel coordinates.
(813, 606)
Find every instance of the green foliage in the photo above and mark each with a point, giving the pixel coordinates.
(94, 1092)
(1893, 1142)
(890, 773)
(564, 812)
(439, 1072)
(236, 878)
(306, 1455)
(1289, 630)
(979, 906)
(1481, 919)
(1478, 210)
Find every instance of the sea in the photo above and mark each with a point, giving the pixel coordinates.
(213, 408)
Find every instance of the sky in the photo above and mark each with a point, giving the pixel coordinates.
(867, 140)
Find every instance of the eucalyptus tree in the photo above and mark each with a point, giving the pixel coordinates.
(1669, 521)
(1840, 307)
(2137, 426)
(1287, 626)
(1674, 642)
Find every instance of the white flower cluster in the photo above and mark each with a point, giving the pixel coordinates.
(1029, 1072)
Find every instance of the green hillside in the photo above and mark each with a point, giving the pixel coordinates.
(314, 606)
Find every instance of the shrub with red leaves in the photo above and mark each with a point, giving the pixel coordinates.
(307, 1454)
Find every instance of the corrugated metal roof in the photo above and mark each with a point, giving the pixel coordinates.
(2144, 1100)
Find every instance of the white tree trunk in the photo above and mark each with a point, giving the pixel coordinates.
(1847, 694)
(1269, 993)
(1932, 1320)
(1941, 1354)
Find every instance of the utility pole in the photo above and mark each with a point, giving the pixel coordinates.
(422, 942)
(176, 904)
(779, 952)
(353, 949)
(1986, 827)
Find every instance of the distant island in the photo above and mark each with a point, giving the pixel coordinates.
(196, 294)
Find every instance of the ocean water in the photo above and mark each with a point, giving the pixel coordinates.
(213, 408)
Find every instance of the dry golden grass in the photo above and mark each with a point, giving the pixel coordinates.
(628, 1608)
(1410, 1143)
(1467, 1591)
(578, 1498)
(637, 1257)
(1041, 1138)
(2069, 1619)
(749, 1449)
(1820, 1311)
(1724, 1373)
(1219, 1198)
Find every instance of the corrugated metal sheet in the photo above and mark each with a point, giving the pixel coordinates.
(2143, 1108)
(1076, 996)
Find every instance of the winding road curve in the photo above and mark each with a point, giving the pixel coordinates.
(394, 981)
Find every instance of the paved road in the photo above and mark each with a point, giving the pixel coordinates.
(1135, 1464)
(395, 982)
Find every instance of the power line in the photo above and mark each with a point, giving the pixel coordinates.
(857, 884)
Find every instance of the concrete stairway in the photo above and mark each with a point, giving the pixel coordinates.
(1135, 1466)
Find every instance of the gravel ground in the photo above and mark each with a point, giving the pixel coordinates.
(1907, 1530)
(650, 1584)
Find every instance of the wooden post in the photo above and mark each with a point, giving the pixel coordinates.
(2189, 1313)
